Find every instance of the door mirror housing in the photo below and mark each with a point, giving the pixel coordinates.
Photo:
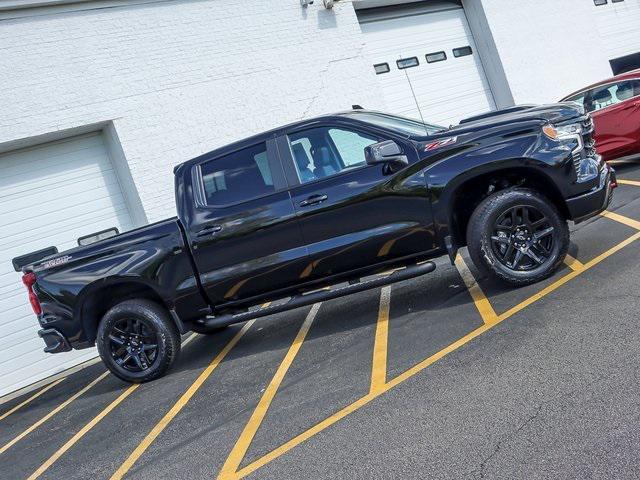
(387, 152)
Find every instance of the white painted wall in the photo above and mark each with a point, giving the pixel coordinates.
(180, 78)
(547, 48)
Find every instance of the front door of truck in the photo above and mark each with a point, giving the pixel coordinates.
(244, 234)
(353, 215)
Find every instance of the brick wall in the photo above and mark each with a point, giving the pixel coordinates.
(180, 78)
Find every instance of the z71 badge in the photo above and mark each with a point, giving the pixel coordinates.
(440, 143)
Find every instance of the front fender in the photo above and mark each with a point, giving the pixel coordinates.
(532, 155)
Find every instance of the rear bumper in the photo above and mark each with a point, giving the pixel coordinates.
(54, 340)
(596, 200)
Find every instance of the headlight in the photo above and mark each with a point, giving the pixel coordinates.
(569, 131)
(565, 133)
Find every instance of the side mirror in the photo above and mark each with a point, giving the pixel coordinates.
(388, 152)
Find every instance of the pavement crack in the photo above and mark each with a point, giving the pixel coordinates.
(507, 439)
(481, 470)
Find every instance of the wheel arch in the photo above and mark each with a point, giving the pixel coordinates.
(469, 192)
(97, 298)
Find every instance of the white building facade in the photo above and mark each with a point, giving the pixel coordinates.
(100, 99)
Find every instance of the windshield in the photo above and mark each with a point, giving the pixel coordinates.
(407, 125)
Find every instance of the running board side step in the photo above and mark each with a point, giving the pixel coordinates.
(319, 296)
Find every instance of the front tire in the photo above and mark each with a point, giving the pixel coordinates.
(517, 235)
(137, 341)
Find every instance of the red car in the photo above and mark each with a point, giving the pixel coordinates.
(614, 105)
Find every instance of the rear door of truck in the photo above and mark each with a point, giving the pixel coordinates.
(244, 234)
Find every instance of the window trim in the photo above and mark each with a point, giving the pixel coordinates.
(277, 175)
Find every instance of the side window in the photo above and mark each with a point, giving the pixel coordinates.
(350, 146)
(325, 151)
(237, 177)
(627, 90)
(608, 95)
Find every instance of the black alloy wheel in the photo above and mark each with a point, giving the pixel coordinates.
(517, 235)
(522, 238)
(137, 340)
(133, 344)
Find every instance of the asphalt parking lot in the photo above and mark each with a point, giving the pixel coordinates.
(449, 375)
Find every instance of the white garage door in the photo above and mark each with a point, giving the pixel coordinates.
(49, 195)
(619, 26)
(429, 59)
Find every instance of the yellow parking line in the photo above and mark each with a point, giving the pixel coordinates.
(571, 275)
(83, 431)
(295, 441)
(179, 405)
(52, 413)
(483, 305)
(630, 222)
(573, 263)
(56, 382)
(324, 424)
(239, 450)
(31, 398)
(379, 368)
(628, 182)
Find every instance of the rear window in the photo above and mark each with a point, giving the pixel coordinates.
(237, 177)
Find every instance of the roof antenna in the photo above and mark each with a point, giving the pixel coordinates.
(356, 107)
(426, 130)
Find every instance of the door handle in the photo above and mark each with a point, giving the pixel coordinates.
(205, 232)
(313, 200)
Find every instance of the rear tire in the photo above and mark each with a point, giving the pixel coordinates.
(137, 341)
(518, 236)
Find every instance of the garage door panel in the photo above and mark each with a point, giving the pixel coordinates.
(82, 202)
(52, 153)
(76, 170)
(22, 333)
(9, 286)
(77, 226)
(17, 352)
(445, 91)
(35, 366)
(14, 305)
(49, 196)
(74, 189)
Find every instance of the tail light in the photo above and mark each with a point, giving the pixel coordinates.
(29, 279)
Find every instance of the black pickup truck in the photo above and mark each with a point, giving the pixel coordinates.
(328, 202)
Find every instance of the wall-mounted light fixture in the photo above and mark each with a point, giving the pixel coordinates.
(328, 4)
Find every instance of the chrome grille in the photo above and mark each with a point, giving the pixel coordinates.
(577, 157)
(589, 149)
